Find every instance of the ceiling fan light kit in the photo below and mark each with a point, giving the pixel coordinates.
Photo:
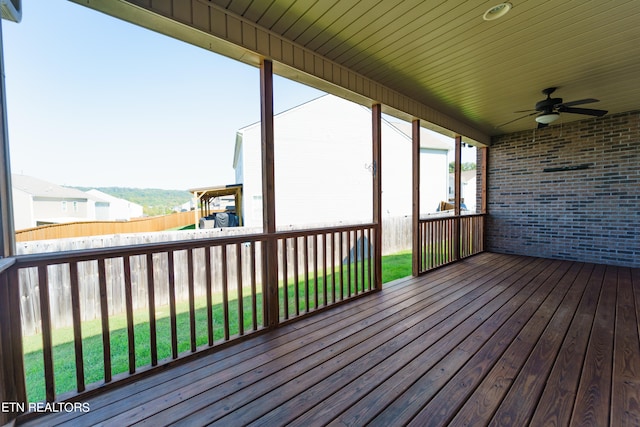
(547, 118)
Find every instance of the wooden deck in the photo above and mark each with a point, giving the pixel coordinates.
(492, 340)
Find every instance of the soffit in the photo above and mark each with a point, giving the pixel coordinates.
(443, 54)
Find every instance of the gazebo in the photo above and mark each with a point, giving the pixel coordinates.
(204, 197)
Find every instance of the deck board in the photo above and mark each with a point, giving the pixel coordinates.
(592, 406)
(492, 340)
(531, 380)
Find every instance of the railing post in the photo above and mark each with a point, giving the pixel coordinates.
(377, 191)
(12, 384)
(415, 159)
(270, 254)
(484, 167)
(7, 229)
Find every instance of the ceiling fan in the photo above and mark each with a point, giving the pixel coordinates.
(548, 110)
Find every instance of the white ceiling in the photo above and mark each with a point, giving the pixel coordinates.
(442, 53)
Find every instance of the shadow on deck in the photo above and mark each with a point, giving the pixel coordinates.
(493, 339)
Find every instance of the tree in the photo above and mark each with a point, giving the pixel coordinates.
(467, 166)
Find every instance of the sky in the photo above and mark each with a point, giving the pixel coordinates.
(94, 101)
(98, 102)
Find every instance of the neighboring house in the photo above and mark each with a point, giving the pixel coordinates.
(37, 202)
(112, 208)
(323, 166)
(468, 182)
(185, 207)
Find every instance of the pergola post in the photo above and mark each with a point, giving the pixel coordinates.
(270, 254)
(415, 216)
(377, 191)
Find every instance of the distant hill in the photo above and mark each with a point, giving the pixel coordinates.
(153, 200)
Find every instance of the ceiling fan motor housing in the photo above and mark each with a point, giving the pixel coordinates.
(547, 105)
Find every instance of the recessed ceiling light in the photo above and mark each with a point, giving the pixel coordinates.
(497, 11)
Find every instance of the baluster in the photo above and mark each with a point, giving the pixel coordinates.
(285, 279)
(324, 270)
(209, 294)
(369, 257)
(355, 262)
(192, 299)
(225, 293)
(254, 298)
(104, 315)
(315, 269)
(239, 289)
(153, 344)
(45, 319)
(77, 325)
(333, 267)
(295, 275)
(172, 305)
(129, 311)
(341, 260)
(362, 258)
(305, 240)
(349, 261)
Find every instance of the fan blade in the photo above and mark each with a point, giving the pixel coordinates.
(579, 102)
(524, 111)
(515, 120)
(586, 111)
(542, 125)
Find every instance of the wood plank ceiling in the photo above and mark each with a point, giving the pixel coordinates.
(445, 55)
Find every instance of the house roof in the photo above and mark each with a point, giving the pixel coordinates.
(108, 198)
(40, 188)
(465, 176)
(216, 191)
(428, 139)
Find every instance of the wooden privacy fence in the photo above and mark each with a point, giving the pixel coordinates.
(95, 228)
(88, 274)
(315, 269)
(443, 240)
(396, 237)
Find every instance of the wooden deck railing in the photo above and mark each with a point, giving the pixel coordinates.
(219, 299)
(323, 267)
(446, 239)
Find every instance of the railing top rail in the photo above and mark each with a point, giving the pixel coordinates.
(442, 217)
(322, 230)
(6, 263)
(79, 255)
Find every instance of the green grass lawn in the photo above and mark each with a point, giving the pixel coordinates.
(393, 267)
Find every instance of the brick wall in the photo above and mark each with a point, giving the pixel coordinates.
(590, 214)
